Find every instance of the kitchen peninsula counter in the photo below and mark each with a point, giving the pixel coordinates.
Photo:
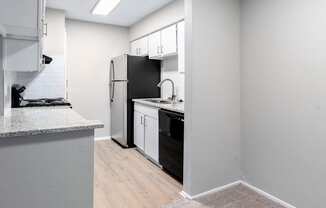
(46, 158)
(35, 121)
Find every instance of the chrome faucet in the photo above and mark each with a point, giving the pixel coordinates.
(173, 97)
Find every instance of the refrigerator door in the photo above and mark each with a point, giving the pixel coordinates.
(120, 67)
(119, 114)
(118, 99)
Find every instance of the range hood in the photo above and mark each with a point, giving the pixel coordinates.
(47, 59)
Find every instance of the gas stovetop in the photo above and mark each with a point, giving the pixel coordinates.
(44, 102)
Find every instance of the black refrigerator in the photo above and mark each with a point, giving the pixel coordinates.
(131, 77)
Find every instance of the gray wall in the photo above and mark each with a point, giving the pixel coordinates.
(212, 140)
(283, 93)
(89, 49)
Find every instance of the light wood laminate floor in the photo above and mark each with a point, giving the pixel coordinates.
(125, 179)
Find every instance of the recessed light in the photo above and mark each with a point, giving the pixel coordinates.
(104, 7)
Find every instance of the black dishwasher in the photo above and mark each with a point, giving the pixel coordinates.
(171, 140)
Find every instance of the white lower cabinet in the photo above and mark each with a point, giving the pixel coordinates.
(139, 130)
(146, 135)
(151, 137)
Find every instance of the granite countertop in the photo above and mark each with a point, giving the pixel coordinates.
(177, 107)
(35, 121)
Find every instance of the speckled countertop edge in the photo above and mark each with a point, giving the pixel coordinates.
(49, 131)
(29, 122)
(179, 107)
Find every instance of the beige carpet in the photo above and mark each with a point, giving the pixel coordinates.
(236, 197)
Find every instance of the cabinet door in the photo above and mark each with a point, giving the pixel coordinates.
(21, 55)
(151, 137)
(181, 46)
(20, 17)
(139, 130)
(43, 31)
(154, 45)
(169, 41)
(134, 48)
(143, 46)
(42, 25)
(139, 47)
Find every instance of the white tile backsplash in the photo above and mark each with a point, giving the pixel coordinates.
(9, 78)
(170, 70)
(49, 83)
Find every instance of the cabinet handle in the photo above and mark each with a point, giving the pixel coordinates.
(139, 51)
(141, 120)
(45, 33)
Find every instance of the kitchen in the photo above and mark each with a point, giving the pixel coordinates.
(165, 103)
(132, 93)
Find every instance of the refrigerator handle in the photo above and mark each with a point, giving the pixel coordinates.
(112, 84)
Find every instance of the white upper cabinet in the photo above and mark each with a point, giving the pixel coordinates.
(140, 47)
(21, 55)
(134, 48)
(169, 41)
(154, 46)
(181, 46)
(24, 23)
(163, 43)
(21, 18)
(143, 46)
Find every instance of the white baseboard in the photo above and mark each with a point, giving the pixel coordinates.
(102, 138)
(218, 189)
(267, 195)
(185, 195)
(221, 188)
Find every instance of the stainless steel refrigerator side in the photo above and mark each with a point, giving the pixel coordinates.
(118, 84)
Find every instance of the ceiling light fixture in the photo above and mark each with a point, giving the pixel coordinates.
(104, 7)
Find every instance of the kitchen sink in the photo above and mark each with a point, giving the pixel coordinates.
(160, 101)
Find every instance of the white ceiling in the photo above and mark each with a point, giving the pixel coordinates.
(126, 13)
